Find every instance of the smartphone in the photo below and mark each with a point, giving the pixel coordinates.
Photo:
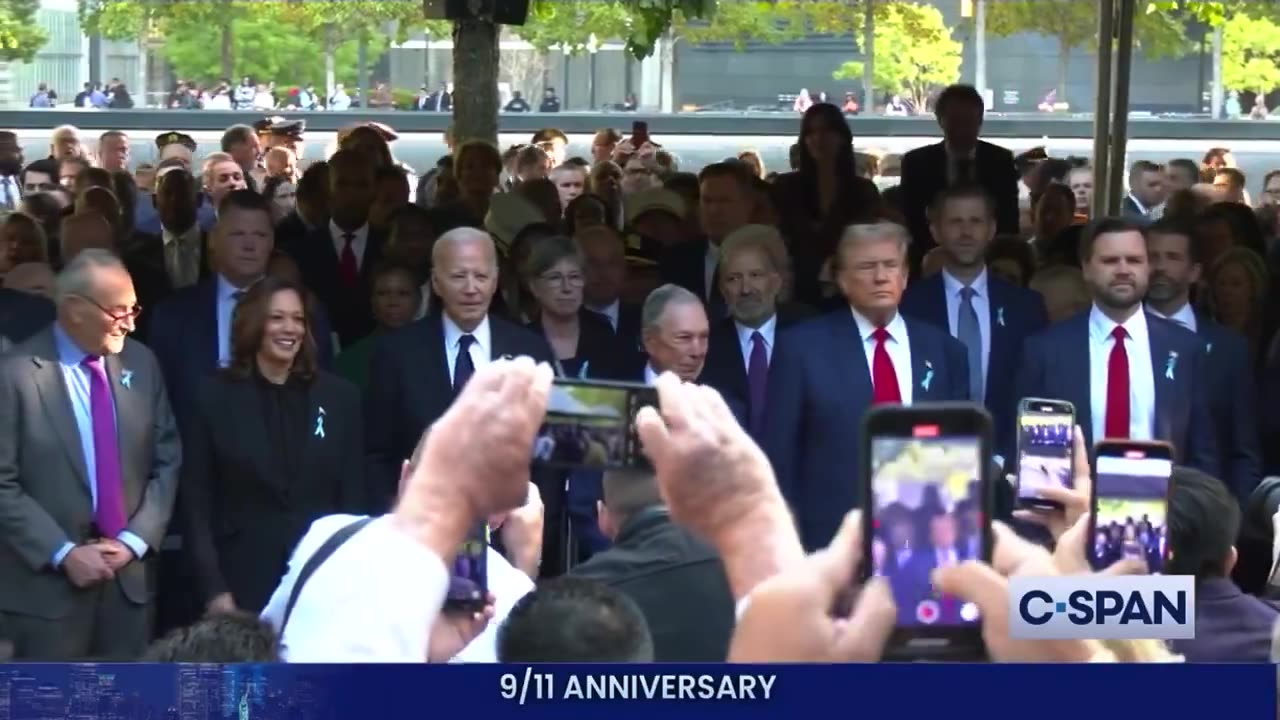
(639, 133)
(1045, 449)
(928, 494)
(1130, 503)
(469, 578)
(590, 425)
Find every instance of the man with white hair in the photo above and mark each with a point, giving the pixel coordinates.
(64, 143)
(826, 374)
(89, 457)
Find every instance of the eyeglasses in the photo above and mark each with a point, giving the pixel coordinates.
(119, 314)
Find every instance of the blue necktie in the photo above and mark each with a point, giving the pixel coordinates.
(757, 383)
(969, 332)
(463, 366)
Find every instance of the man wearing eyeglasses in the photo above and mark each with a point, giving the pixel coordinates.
(89, 455)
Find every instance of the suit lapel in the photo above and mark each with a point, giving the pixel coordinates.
(207, 326)
(57, 405)
(1001, 340)
(1075, 366)
(938, 304)
(131, 411)
(319, 431)
(848, 343)
(924, 357)
(1163, 363)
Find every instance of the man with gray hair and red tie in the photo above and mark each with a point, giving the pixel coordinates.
(89, 456)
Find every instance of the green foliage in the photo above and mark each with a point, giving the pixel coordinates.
(20, 37)
(913, 50)
(1250, 53)
(570, 24)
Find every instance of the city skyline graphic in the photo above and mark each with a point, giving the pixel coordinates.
(89, 691)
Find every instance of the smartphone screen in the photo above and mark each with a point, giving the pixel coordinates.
(591, 425)
(1131, 489)
(927, 513)
(469, 579)
(1044, 449)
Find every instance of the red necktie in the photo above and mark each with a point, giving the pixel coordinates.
(884, 380)
(348, 268)
(1117, 417)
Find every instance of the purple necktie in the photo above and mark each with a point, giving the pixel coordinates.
(109, 514)
(757, 382)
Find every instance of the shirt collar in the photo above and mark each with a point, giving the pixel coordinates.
(954, 286)
(226, 289)
(69, 353)
(897, 327)
(650, 375)
(1184, 316)
(766, 330)
(1101, 326)
(453, 334)
(169, 236)
(359, 233)
(956, 154)
(1142, 208)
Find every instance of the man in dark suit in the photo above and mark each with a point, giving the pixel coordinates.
(828, 371)
(989, 316)
(605, 270)
(177, 255)
(89, 456)
(1131, 375)
(1175, 269)
(914, 584)
(1203, 521)
(23, 315)
(676, 579)
(960, 159)
(1147, 192)
(753, 260)
(337, 259)
(725, 201)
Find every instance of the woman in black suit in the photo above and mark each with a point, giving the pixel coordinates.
(273, 444)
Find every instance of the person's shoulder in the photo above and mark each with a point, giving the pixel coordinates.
(921, 152)
(18, 301)
(519, 338)
(994, 150)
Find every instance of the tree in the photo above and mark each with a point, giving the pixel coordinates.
(1250, 54)
(914, 53)
(20, 36)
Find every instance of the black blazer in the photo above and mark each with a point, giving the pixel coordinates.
(605, 354)
(143, 256)
(410, 388)
(23, 315)
(242, 519)
(350, 309)
(685, 265)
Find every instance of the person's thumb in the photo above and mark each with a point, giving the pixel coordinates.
(977, 583)
(837, 565)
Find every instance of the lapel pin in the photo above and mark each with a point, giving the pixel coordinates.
(1000, 316)
(928, 375)
(126, 379)
(1208, 348)
(320, 423)
(1170, 364)
(582, 372)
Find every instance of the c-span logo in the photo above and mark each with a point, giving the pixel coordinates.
(1157, 607)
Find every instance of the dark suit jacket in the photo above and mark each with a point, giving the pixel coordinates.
(1016, 314)
(410, 387)
(242, 517)
(924, 175)
(1055, 364)
(605, 355)
(44, 495)
(685, 265)
(348, 308)
(184, 336)
(1130, 210)
(820, 389)
(1230, 626)
(1234, 402)
(23, 315)
(676, 580)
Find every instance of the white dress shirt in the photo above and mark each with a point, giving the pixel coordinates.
(650, 375)
(10, 192)
(981, 305)
(1184, 316)
(1146, 211)
(898, 346)
(359, 241)
(768, 332)
(610, 312)
(226, 306)
(481, 351)
(1142, 382)
(374, 600)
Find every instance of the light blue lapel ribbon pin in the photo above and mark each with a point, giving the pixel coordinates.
(928, 375)
(1000, 316)
(320, 423)
(1208, 348)
(1170, 364)
(126, 378)
(582, 372)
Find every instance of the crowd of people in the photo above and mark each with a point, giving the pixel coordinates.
(221, 376)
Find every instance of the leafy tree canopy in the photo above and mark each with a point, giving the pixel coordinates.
(914, 53)
(20, 36)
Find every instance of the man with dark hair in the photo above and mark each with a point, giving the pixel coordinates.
(726, 199)
(1230, 182)
(222, 638)
(1176, 265)
(40, 176)
(1202, 523)
(242, 144)
(1130, 374)
(1182, 174)
(1147, 191)
(572, 619)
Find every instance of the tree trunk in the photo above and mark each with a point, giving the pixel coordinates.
(1064, 61)
(475, 81)
(1217, 96)
(330, 74)
(226, 60)
(362, 71)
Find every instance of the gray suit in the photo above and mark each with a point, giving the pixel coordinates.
(45, 502)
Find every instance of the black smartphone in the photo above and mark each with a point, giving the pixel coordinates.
(927, 493)
(590, 425)
(469, 577)
(1045, 432)
(639, 133)
(1130, 503)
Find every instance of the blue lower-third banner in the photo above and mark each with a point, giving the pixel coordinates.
(391, 692)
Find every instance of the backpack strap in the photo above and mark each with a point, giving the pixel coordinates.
(314, 562)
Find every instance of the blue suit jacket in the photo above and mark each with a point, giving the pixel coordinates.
(1055, 364)
(1230, 626)
(1016, 314)
(819, 389)
(1234, 403)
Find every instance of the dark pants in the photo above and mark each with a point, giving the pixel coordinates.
(103, 625)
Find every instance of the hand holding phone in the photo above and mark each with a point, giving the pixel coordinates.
(469, 576)
(1130, 504)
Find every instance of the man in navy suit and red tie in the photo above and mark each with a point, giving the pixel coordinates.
(826, 372)
(1130, 374)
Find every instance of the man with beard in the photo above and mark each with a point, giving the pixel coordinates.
(1175, 269)
(10, 168)
(1130, 374)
